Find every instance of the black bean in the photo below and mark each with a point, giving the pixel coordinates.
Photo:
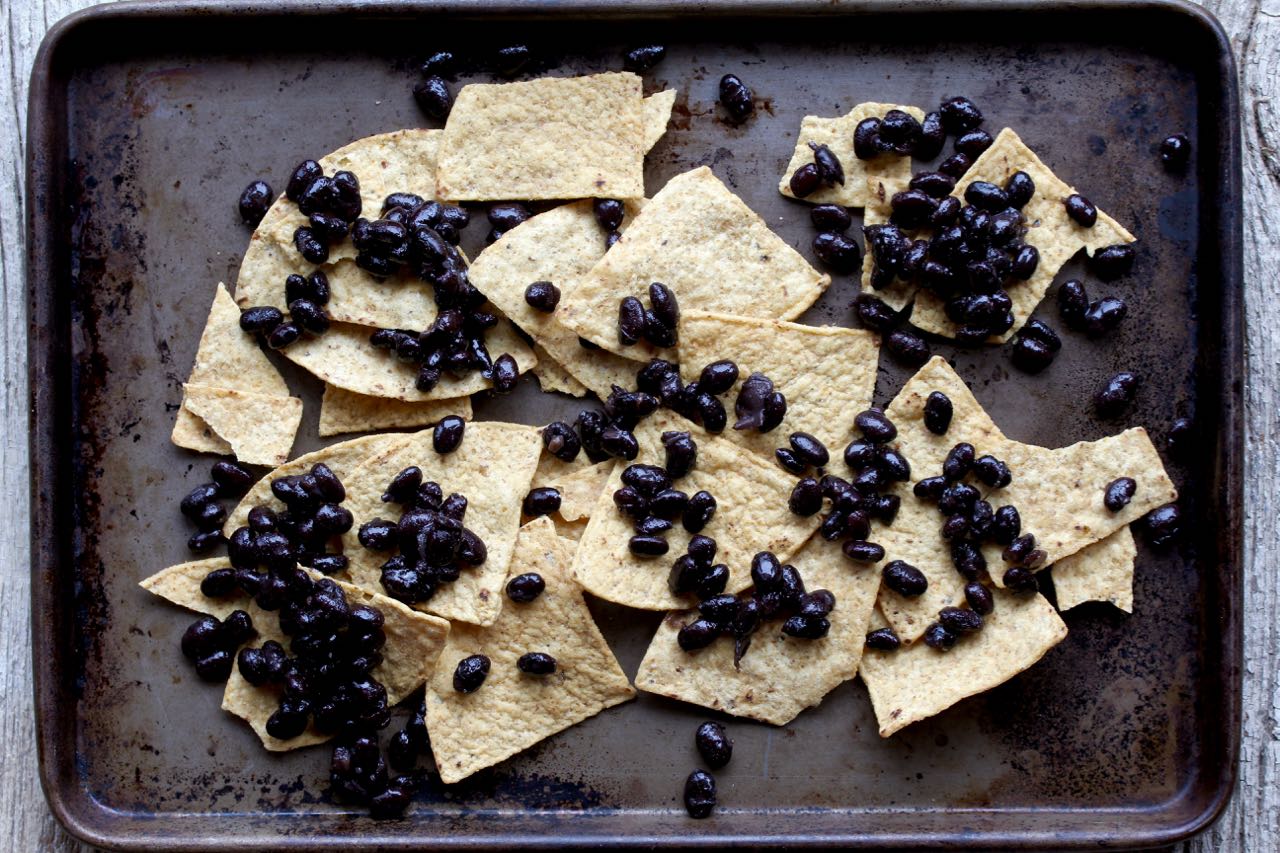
(959, 115)
(775, 409)
(262, 318)
(559, 439)
(736, 98)
(702, 549)
(875, 426)
(720, 609)
(713, 744)
(992, 472)
(830, 171)
(957, 497)
(652, 526)
(470, 673)
(956, 165)
(967, 559)
(1081, 210)
(787, 459)
(536, 663)
(933, 184)
(648, 546)
(986, 196)
(1019, 549)
(862, 551)
(643, 58)
(809, 449)
(283, 335)
(899, 131)
(630, 320)
(669, 503)
(510, 61)
(193, 504)
(875, 314)
(830, 217)
(929, 488)
(1020, 189)
(333, 519)
(699, 794)
(311, 247)
(1025, 261)
(505, 374)
(937, 413)
(867, 144)
(541, 501)
(697, 635)
(1021, 580)
(1175, 153)
(805, 180)
(1163, 525)
(958, 461)
(750, 405)
(973, 143)
(403, 486)
(1104, 315)
(883, 640)
(932, 137)
(907, 348)
(681, 453)
(330, 563)
(979, 598)
(1073, 302)
(713, 582)
(1116, 394)
(912, 208)
(806, 627)
(806, 497)
(699, 511)
(646, 479)
(894, 466)
(960, 620)
(938, 637)
(542, 296)
(302, 177)
(837, 251)
(254, 201)
(1112, 262)
(904, 579)
(1118, 493)
(1006, 525)
(232, 478)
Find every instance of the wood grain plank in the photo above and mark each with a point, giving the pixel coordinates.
(1252, 821)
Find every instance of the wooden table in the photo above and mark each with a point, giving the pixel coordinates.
(1252, 823)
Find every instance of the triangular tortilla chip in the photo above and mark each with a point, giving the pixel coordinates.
(554, 378)
(827, 373)
(709, 248)
(1102, 571)
(579, 488)
(550, 138)
(346, 411)
(414, 642)
(512, 711)
(558, 246)
(752, 516)
(1058, 492)
(779, 676)
(865, 181)
(400, 161)
(1050, 230)
(492, 469)
(916, 682)
(192, 433)
(343, 459)
(259, 427)
(344, 357)
(657, 115)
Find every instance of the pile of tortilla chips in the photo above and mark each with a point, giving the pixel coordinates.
(740, 287)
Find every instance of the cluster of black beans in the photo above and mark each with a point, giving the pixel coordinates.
(432, 543)
(1037, 344)
(201, 504)
(358, 773)
(648, 496)
(716, 749)
(432, 92)
(306, 297)
(778, 592)
(210, 644)
(331, 205)
(413, 232)
(656, 324)
(832, 244)
(856, 502)
(299, 534)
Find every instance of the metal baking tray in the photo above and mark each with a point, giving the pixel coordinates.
(146, 121)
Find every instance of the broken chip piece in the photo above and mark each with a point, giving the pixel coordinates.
(343, 411)
(1102, 571)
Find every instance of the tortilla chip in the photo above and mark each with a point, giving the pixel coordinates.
(579, 488)
(1058, 492)
(827, 373)
(346, 411)
(344, 357)
(414, 642)
(916, 682)
(657, 115)
(559, 246)
(492, 469)
(752, 516)
(865, 181)
(554, 378)
(512, 711)
(192, 433)
(1102, 571)
(400, 161)
(343, 459)
(550, 138)
(1050, 230)
(259, 427)
(779, 676)
(703, 242)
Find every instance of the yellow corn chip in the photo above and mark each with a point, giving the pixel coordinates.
(827, 373)
(865, 181)
(779, 676)
(554, 378)
(703, 242)
(752, 516)
(259, 427)
(1102, 571)
(579, 488)
(511, 711)
(916, 682)
(657, 114)
(346, 411)
(550, 138)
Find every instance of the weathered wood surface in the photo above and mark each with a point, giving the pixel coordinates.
(1252, 823)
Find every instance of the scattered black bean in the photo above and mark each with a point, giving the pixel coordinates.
(806, 497)
(699, 794)
(1175, 153)
(875, 426)
(541, 501)
(837, 251)
(960, 620)
(642, 59)
(433, 97)
(938, 637)
(697, 635)
(1116, 394)
(736, 98)
(559, 439)
(630, 320)
(979, 598)
(866, 140)
(1081, 210)
(932, 137)
(699, 511)
(1104, 315)
(862, 551)
(937, 413)
(956, 165)
(470, 673)
(254, 202)
(992, 472)
(510, 61)
(883, 640)
(907, 348)
(713, 744)
(542, 296)
(1112, 262)
(648, 546)
(1021, 580)
(973, 144)
(1118, 493)
(1006, 526)
(536, 663)
(505, 374)
(1163, 525)
(830, 217)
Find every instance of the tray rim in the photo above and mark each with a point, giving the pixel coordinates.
(92, 823)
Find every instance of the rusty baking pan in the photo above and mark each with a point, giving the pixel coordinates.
(145, 123)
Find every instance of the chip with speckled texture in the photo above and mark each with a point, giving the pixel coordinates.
(259, 427)
(343, 411)
(1102, 571)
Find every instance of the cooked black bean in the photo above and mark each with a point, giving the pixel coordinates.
(809, 449)
(541, 501)
(283, 335)
(955, 527)
(685, 575)
(536, 663)
(1116, 394)
(806, 497)
(681, 453)
(875, 314)
(1181, 438)
(1118, 493)
(805, 180)
(510, 61)
(973, 143)
(1006, 525)
(837, 251)
(736, 98)
(856, 524)
(652, 525)
(766, 571)
(912, 208)
(333, 519)
(646, 479)
(806, 627)
(719, 609)
(648, 546)
(630, 320)
(937, 413)
(956, 165)
(699, 511)
(507, 215)
(959, 115)
(697, 635)
(669, 503)
(1017, 552)
(542, 296)
(883, 640)
(262, 318)
(664, 305)
(310, 246)
(992, 472)
(787, 459)
(1020, 189)
(643, 58)
(967, 559)
(979, 598)
(907, 348)
(862, 551)
(403, 486)
(559, 439)
(830, 217)
(867, 144)
(929, 488)
(254, 201)
(447, 436)
(933, 184)
(986, 196)
(938, 637)
(330, 563)
(204, 541)
(1073, 303)
(702, 549)
(1163, 525)
(958, 461)
(699, 794)
(899, 131)
(1175, 153)
(713, 582)
(932, 137)
(713, 744)
(1112, 262)
(1081, 210)
(981, 517)
(1021, 580)
(875, 426)
(894, 466)
(957, 497)
(775, 409)
(195, 500)
(470, 673)
(1103, 315)
(904, 578)
(302, 177)
(749, 407)
(960, 620)
(238, 627)
(829, 168)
